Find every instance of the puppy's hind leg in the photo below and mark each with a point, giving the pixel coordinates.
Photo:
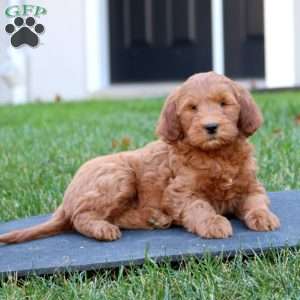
(113, 193)
(89, 223)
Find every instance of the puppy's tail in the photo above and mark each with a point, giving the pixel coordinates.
(58, 223)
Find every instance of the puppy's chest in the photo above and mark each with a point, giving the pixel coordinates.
(218, 179)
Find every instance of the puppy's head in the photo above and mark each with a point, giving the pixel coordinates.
(208, 111)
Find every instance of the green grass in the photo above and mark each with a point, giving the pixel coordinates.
(42, 145)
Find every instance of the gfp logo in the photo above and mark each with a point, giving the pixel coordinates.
(24, 29)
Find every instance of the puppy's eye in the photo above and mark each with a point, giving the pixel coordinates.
(193, 107)
(222, 103)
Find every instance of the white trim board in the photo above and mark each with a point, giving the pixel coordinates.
(97, 45)
(217, 36)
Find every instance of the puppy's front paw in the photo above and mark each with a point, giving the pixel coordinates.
(262, 220)
(216, 227)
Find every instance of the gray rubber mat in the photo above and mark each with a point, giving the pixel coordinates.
(71, 251)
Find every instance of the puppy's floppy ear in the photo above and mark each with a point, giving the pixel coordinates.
(168, 127)
(250, 116)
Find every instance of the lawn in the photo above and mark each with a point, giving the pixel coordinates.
(41, 147)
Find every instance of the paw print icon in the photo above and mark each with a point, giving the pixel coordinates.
(24, 32)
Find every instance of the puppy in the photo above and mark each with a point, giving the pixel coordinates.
(200, 170)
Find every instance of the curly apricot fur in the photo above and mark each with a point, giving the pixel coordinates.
(188, 177)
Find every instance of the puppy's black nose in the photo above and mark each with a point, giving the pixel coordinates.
(211, 128)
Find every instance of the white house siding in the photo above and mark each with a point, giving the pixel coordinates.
(282, 42)
(57, 66)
